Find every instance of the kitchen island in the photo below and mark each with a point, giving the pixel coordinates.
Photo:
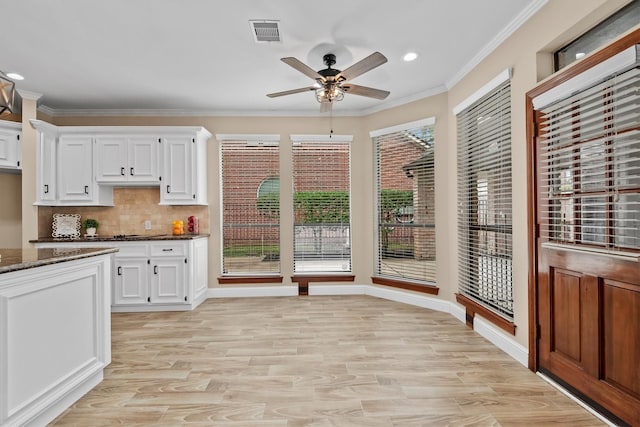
(55, 329)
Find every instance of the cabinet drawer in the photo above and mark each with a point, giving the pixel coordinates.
(168, 249)
(132, 250)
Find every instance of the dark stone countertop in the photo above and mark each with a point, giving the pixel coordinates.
(119, 238)
(22, 259)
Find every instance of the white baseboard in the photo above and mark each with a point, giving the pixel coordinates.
(458, 311)
(252, 291)
(500, 340)
(481, 326)
(337, 289)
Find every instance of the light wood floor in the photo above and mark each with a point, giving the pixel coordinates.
(313, 361)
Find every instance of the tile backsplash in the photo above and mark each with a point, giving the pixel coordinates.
(132, 207)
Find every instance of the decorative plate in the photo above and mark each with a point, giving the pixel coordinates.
(66, 225)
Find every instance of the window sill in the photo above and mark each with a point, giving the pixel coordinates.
(473, 308)
(235, 280)
(303, 280)
(411, 286)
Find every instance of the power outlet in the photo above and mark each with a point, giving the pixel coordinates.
(147, 225)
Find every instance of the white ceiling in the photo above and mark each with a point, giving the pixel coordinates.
(200, 57)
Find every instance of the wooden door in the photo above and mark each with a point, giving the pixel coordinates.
(589, 317)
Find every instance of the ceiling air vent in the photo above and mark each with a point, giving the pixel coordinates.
(265, 31)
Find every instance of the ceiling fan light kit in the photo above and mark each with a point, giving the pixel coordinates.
(331, 83)
(7, 93)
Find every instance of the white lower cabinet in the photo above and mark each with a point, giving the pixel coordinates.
(154, 275)
(167, 281)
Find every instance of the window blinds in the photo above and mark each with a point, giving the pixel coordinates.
(406, 203)
(251, 207)
(589, 157)
(484, 200)
(321, 179)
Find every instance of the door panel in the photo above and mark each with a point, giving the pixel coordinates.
(621, 318)
(589, 311)
(565, 323)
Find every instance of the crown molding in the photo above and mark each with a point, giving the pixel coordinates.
(506, 32)
(27, 94)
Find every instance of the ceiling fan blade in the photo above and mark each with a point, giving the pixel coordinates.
(291, 92)
(365, 91)
(369, 63)
(326, 106)
(303, 68)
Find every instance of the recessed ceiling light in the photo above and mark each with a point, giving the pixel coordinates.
(15, 76)
(580, 55)
(408, 57)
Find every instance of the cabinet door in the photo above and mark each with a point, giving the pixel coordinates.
(143, 159)
(9, 149)
(75, 168)
(177, 187)
(131, 281)
(168, 280)
(200, 259)
(111, 159)
(46, 168)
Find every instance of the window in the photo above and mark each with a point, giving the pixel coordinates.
(321, 180)
(603, 33)
(251, 206)
(589, 155)
(484, 198)
(406, 202)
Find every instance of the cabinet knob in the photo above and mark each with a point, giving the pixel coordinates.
(155, 269)
(122, 171)
(168, 188)
(86, 189)
(46, 188)
(119, 270)
(131, 172)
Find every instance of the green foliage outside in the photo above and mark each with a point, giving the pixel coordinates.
(317, 207)
(311, 207)
(391, 201)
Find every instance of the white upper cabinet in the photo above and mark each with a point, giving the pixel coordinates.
(75, 181)
(10, 146)
(184, 171)
(80, 165)
(75, 168)
(127, 159)
(46, 150)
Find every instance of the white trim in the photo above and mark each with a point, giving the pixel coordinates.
(593, 75)
(411, 298)
(429, 121)
(252, 291)
(195, 113)
(503, 35)
(459, 312)
(487, 88)
(321, 138)
(247, 137)
(337, 289)
(575, 399)
(27, 94)
(500, 340)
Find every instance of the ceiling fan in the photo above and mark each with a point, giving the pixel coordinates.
(331, 83)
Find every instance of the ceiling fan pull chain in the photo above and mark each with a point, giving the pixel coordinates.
(330, 123)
